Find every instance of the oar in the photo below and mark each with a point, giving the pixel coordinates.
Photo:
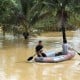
(31, 57)
(76, 51)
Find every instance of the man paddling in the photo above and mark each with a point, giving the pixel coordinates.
(39, 50)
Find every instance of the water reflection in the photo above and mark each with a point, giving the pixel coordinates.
(74, 71)
(76, 40)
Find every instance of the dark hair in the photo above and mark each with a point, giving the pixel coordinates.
(40, 41)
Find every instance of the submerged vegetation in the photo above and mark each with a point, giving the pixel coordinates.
(28, 17)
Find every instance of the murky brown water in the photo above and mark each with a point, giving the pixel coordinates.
(13, 64)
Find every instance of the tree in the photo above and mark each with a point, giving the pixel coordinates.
(8, 9)
(24, 14)
(63, 9)
(30, 14)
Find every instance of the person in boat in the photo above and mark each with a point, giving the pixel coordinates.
(39, 50)
(65, 49)
(42, 54)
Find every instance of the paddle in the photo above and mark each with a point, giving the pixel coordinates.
(76, 51)
(31, 57)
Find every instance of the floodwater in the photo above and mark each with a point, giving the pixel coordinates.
(14, 65)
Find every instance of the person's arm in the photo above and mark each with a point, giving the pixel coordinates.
(69, 47)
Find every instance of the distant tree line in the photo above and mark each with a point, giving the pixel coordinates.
(32, 16)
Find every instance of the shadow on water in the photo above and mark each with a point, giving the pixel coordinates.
(26, 62)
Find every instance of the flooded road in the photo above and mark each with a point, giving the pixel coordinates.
(14, 65)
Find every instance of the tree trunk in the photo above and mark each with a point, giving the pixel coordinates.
(26, 31)
(64, 34)
(26, 35)
(63, 28)
(3, 29)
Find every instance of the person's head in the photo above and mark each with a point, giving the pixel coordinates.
(40, 42)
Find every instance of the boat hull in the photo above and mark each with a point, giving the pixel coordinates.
(54, 59)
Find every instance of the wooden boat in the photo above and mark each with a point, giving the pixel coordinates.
(51, 58)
